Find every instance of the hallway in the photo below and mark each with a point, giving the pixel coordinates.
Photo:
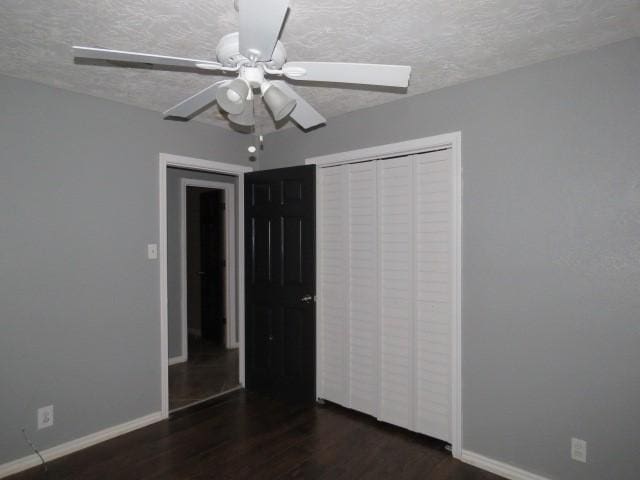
(211, 369)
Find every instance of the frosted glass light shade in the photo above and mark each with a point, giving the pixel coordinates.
(244, 118)
(278, 102)
(232, 97)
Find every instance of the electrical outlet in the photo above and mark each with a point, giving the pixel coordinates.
(45, 417)
(579, 450)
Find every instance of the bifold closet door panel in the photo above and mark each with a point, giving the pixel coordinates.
(363, 288)
(433, 292)
(386, 280)
(396, 302)
(333, 284)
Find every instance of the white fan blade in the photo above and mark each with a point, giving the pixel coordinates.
(260, 24)
(303, 113)
(122, 56)
(191, 105)
(361, 73)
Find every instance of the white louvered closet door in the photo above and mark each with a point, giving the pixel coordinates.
(395, 230)
(386, 282)
(332, 284)
(434, 250)
(363, 288)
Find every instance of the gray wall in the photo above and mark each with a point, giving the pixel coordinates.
(79, 301)
(551, 251)
(174, 175)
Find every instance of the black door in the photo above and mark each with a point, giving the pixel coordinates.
(212, 265)
(280, 281)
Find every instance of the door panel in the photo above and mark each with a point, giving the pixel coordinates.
(292, 191)
(387, 274)
(260, 194)
(260, 234)
(433, 281)
(362, 278)
(292, 241)
(333, 270)
(395, 223)
(280, 289)
(213, 265)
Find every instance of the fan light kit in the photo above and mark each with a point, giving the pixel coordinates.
(253, 53)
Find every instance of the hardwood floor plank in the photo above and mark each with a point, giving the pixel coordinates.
(210, 369)
(250, 435)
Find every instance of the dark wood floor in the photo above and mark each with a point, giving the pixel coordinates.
(251, 436)
(211, 369)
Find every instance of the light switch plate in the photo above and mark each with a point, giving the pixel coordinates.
(152, 251)
(579, 450)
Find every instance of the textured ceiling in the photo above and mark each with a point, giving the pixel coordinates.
(445, 41)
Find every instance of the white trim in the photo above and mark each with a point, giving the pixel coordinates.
(456, 340)
(319, 293)
(164, 314)
(240, 278)
(499, 468)
(168, 160)
(230, 257)
(418, 145)
(204, 165)
(72, 446)
(178, 359)
(199, 402)
(454, 142)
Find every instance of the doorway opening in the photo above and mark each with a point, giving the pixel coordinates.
(201, 267)
(209, 363)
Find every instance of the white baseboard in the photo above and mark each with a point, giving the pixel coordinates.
(179, 359)
(499, 468)
(66, 448)
(204, 400)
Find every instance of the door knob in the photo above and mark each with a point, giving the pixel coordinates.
(307, 298)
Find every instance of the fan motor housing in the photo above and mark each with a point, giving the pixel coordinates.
(253, 75)
(228, 52)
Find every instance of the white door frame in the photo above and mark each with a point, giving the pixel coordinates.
(168, 160)
(231, 341)
(454, 142)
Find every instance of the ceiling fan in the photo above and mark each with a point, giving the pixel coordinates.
(255, 53)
